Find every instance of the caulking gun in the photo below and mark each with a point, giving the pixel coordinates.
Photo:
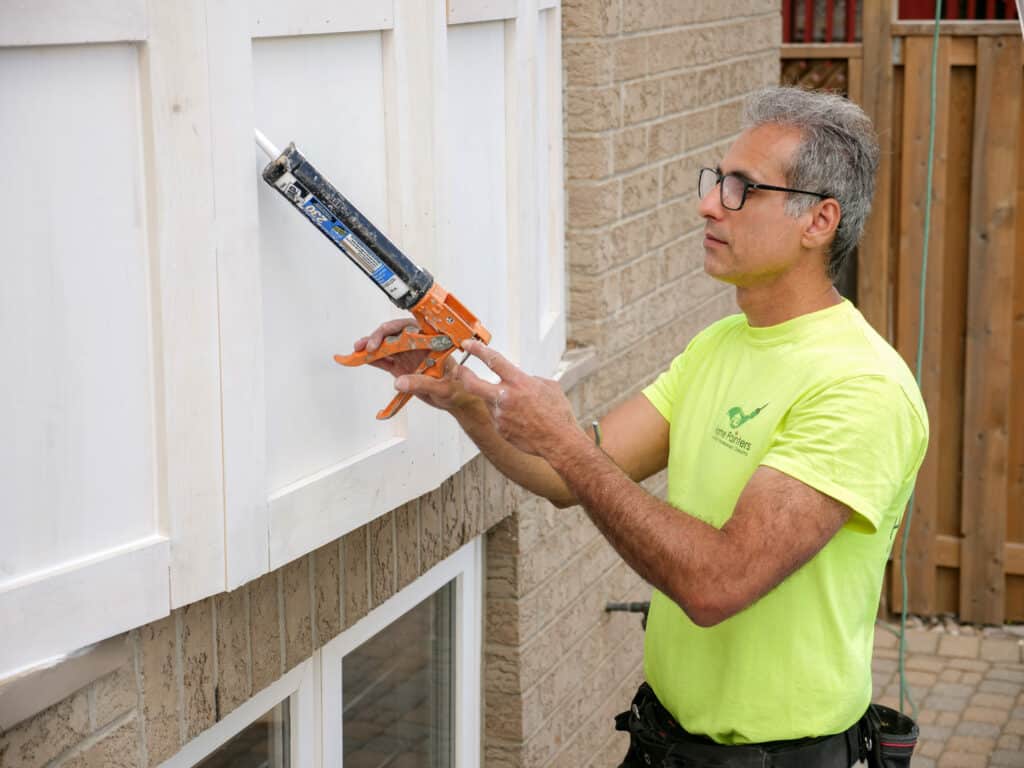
(444, 323)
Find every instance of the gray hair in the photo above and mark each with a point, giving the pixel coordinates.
(838, 156)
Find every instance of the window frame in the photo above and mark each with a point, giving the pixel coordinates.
(298, 686)
(466, 568)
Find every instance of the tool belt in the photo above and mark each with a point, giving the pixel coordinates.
(883, 737)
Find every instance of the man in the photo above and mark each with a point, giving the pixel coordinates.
(792, 434)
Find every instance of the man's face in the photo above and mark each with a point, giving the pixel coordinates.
(759, 242)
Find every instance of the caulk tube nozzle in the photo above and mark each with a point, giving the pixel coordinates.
(268, 148)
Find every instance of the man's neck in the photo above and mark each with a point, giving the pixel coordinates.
(778, 302)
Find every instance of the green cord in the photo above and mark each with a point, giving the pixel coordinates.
(904, 693)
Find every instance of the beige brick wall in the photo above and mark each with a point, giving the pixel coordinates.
(653, 91)
(187, 671)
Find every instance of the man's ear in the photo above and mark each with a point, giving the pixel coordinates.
(821, 229)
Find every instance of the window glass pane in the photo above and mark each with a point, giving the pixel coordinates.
(397, 691)
(263, 744)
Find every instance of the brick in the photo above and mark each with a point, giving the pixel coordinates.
(234, 673)
(592, 109)
(629, 149)
(951, 719)
(588, 63)
(36, 741)
(996, 649)
(327, 592)
(962, 646)
(593, 204)
(683, 256)
(638, 15)
(453, 524)
(729, 118)
(496, 490)
(471, 498)
(588, 157)
(383, 568)
(701, 129)
(640, 278)
(197, 667)
(666, 139)
(157, 661)
(641, 101)
(640, 191)
(265, 630)
(630, 58)
(298, 612)
(356, 579)
(587, 18)
(407, 535)
(115, 694)
(977, 730)
(118, 748)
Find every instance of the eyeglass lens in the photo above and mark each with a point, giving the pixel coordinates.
(732, 187)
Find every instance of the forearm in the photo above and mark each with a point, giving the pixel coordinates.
(679, 555)
(531, 472)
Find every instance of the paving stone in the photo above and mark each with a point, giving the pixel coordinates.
(971, 678)
(921, 642)
(1007, 758)
(927, 716)
(1010, 741)
(1006, 674)
(962, 760)
(975, 745)
(992, 701)
(935, 732)
(885, 639)
(977, 729)
(946, 703)
(954, 690)
(986, 715)
(948, 719)
(926, 663)
(970, 665)
(928, 748)
(951, 675)
(920, 762)
(996, 649)
(1016, 726)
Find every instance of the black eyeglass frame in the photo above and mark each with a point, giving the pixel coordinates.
(748, 185)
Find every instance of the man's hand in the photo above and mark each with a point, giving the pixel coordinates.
(529, 412)
(445, 393)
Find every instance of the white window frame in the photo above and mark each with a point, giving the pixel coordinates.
(299, 687)
(465, 567)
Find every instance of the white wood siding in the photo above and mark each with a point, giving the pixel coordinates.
(176, 424)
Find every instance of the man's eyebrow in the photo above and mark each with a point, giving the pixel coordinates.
(745, 175)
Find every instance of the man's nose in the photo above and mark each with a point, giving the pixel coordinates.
(710, 206)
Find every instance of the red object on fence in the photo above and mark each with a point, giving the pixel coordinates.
(908, 9)
(791, 13)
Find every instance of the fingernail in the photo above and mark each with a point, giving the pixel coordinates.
(401, 384)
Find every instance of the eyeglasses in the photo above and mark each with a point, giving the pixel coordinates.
(733, 188)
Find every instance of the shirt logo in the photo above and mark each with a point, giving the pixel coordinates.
(731, 438)
(737, 418)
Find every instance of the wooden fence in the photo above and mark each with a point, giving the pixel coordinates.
(966, 545)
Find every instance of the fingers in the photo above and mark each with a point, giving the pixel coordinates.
(375, 339)
(477, 387)
(424, 386)
(494, 360)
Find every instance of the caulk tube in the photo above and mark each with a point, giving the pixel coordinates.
(351, 232)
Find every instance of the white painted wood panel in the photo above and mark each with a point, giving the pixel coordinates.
(49, 22)
(176, 91)
(273, 18)
(76, 400)
(60, 610)
(240, 293)
(316, 302)
(550, 178)
(472, 11)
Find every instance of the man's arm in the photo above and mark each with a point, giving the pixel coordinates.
(778, 524)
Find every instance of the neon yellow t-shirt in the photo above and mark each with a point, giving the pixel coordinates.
(822, 398)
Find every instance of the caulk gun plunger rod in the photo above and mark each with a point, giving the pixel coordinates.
(271, 151)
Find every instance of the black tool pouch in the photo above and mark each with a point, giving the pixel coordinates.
(649, 730)
(890, 739)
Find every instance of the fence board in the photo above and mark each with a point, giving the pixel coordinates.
(1015, 490)
(914, 175)
(989, 323)
(873, 258)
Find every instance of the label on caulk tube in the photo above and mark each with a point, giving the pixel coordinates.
(345, 239)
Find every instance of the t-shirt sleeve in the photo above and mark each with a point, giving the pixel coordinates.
(664, 391)
(860, 441)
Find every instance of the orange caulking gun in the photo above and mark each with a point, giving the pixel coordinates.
(444, 323)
